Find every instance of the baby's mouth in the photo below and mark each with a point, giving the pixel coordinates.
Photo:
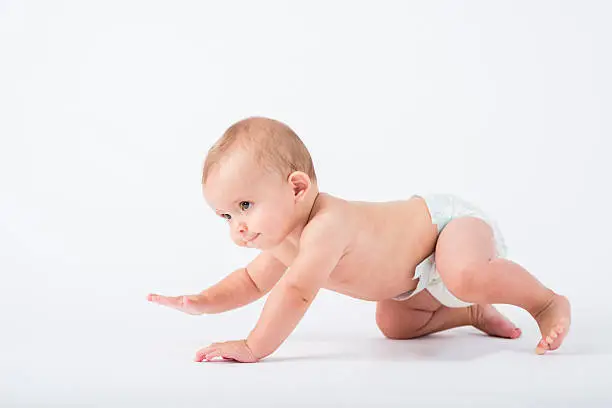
(251, 239)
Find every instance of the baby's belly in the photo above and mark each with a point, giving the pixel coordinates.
(381, 263)
(375, 281)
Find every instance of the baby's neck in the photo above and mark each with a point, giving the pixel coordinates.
(290, 245)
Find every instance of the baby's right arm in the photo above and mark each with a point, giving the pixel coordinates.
(244, 285)
(241, 287)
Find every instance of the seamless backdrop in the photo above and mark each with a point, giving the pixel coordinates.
(108, 108)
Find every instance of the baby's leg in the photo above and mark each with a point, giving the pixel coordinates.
(465, 258)
(423, 314)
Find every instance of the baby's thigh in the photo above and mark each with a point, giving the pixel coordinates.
(464, 242)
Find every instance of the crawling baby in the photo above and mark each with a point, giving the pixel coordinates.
(432, 262)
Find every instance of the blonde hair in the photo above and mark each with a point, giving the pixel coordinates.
(272, 143)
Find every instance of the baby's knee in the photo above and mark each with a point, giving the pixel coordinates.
(467, 280)
(386, 323)
(395, 331)
(399, 326)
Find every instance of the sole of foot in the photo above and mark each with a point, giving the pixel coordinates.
(554, 322)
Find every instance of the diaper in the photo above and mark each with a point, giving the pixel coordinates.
(443, 208)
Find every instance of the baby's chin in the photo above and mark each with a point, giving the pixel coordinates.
(255, 243)
(261, 244)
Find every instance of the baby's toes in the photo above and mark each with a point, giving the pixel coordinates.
(542, 347)
(552, 336)
(552, 340)
(555, 337)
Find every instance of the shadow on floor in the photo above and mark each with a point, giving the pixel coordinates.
(458, 345)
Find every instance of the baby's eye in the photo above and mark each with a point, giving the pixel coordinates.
(226, 216)
(243, 204)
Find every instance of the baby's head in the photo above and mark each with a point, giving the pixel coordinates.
(259, 176)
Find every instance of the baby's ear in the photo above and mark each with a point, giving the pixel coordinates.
(300, 182)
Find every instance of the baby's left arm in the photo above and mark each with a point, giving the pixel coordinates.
(322, 244)
(321, 248)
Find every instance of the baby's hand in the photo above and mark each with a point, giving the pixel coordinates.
(229, 350)
(191, 304)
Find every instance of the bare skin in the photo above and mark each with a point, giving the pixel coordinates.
(404, 228)
(390, 239)
(554, 321)
(367, 250)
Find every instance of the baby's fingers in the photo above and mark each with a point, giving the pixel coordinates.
(215, 353)
(201, 354)
(170, 301)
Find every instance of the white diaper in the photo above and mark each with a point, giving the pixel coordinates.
(443, 208)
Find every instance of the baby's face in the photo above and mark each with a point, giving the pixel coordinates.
(258, 205)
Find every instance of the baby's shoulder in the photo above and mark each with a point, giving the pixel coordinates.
(329, 211)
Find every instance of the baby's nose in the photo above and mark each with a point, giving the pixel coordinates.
(242, 228)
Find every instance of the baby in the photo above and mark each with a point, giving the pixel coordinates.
(431, 262)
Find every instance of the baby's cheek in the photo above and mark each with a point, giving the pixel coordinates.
(275, 223)
(258, 222)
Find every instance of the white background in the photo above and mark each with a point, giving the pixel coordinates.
(108, 108)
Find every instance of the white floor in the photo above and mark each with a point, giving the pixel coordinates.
(116, 361)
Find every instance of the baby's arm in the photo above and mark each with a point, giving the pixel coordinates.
(321, 246)
(239, 288)
(245, 285)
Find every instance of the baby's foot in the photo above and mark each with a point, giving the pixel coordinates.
(554, 321)
(491, 321)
